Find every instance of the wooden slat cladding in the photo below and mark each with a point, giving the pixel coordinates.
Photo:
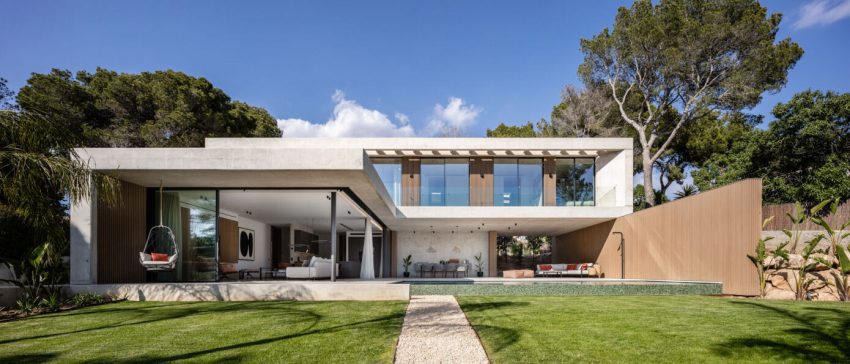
(705, 237)
(780, 219)
(410, 182)
(481, 182)
(228, 240)
(550, 179)
(121, 234)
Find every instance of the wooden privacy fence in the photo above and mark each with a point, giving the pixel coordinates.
(702, 238)
(781, 221)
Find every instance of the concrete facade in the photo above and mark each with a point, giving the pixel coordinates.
(345, 164)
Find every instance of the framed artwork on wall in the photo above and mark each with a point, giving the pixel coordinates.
(246, 244)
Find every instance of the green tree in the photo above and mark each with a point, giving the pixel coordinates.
(149, 109)
(39, 170)
(582, 114)
(512, 131)
(803, 155)
(683, 58)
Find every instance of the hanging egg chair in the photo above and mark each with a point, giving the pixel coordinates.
(160, 251)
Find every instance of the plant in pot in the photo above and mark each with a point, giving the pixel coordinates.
(407, 262)
(479, 265)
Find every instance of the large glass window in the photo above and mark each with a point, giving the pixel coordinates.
(444, 182)
(457, 182)
(517, 182)
(389, 169)
(575, 182)
(192, 217)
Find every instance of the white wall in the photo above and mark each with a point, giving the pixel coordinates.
(262, 241)
(614, 179)
(432, 248)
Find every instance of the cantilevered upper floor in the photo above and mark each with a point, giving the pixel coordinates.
(549, 185)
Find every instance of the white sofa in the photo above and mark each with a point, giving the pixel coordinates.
(316, 268)
(558, 270)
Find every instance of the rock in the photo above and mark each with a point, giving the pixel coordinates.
(779, 281)
(773, 293)
(795, 261)
(818, 265)
(773, 262)
(783, 279)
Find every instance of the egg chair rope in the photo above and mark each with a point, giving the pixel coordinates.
(158, 237)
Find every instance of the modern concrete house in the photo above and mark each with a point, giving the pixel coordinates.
(432, 198)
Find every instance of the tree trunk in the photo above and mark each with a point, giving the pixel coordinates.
(648, 191)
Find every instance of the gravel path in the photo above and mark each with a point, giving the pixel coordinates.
(435, 330)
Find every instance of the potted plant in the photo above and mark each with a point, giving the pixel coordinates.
(407, 262)
(479, 265)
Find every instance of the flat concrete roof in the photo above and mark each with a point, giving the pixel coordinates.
(566, 144)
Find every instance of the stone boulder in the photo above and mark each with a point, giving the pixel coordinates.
(785, 279)
(820, 266)
(773, 293)
(772, 262)
(795, 261)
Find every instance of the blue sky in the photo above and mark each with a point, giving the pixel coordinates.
(370, 67)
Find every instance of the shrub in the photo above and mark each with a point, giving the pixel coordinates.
(87, 299)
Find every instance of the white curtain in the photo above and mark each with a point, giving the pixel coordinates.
(367, 266)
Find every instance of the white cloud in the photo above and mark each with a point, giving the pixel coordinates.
(351, 119)
(453, 118)
(403, 119)
(822, 12)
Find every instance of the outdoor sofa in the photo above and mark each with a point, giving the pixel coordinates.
(315, 268)
(561, 270)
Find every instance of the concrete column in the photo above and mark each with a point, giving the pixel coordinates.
(491, 255)
(333, 237)
(84, 240)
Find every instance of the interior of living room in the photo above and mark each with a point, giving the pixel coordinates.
(262, 233)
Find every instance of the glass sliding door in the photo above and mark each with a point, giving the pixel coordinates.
(505, 182)
(432, 189)
(457, 182)
(584, 171)
(575, 182)
(193, 218)
(518, 182)
(444, 182)
(389, 169)
(530, 172)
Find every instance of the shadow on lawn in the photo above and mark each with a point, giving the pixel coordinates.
(136, 315)
(828, 327)
(495, 338)
(237, 357)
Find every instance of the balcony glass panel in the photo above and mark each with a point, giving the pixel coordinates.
(584, 170)
(432, 189)
(389, 169)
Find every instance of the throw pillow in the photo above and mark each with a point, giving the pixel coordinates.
(158, 257)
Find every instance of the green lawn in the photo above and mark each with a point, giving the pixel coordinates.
(303, 332)
(625, 329)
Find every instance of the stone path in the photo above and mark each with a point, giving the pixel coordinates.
(435, 330)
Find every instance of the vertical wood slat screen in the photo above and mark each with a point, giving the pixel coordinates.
(705, 238)
(410, 182)
(121, 233)
(550, 179)
(228, 240)
(780, 220)
(480, 182)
